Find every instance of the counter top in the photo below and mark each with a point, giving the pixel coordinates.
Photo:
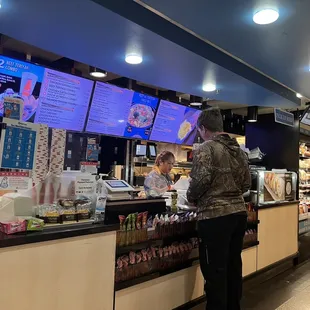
(277, 204)
(55, 233)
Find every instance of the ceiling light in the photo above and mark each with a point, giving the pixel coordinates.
(298, 95)
(133, 59)
(196, 104)
(209, 87)
(265, 16)
(252, 114)
(97, 73)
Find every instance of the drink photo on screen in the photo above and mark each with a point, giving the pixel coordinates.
(141, 116)
(22, 80)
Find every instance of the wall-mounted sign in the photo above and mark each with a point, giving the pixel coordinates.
(85, 184)
(15, 181)
(18, 144)
(13, 108)
(92, 151)
(88, 167)
(283, 117)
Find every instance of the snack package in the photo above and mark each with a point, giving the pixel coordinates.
(144, 219)
(122, 220)
(67, 203)
(139, 221)
(34, 224)
(166, 219)
(138, 258)
(83, 207)
(144, 255)
(150, 222)
(12, 227)
(128, 222)
(125, 260)
(48, 210)
(132, 258)
(119, 263)
(49, 213)
(155, 221)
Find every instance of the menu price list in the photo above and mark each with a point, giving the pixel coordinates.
(64, 100)
(167, 122)
(109, 110)
(18, 146)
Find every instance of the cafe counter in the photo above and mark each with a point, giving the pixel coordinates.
(74, 267)
(60, 268)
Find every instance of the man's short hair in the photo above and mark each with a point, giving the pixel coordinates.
(211, 119)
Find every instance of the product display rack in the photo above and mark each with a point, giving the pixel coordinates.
(161, 266)
(304, 189)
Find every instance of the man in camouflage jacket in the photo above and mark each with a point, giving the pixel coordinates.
(219, 177)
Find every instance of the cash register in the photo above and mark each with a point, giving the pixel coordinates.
(118, 190)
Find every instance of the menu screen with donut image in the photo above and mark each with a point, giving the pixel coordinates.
(121, 112)
(141, 116)
(175, 123)
(278, 187)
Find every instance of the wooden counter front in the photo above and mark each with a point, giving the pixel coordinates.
(74, 273)
(277, 234)
(164, 293)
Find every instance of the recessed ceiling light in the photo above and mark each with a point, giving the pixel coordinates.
(265, 16)
(252, 120)
(196, 104)
(97, 73)
(209, 87)
(299, 95)
(133, 59)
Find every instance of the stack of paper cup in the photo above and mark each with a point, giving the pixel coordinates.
(57, 152)
(41, 161)
(57, 160)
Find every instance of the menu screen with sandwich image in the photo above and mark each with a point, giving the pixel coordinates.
(175, 123)
(278, 187)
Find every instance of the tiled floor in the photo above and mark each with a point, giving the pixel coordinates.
(288, 291)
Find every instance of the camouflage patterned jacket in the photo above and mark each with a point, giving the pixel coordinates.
(219, 177)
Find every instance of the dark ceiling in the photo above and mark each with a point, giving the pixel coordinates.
(280, 50)
(90, 33)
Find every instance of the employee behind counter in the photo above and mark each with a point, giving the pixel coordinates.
(158, 182)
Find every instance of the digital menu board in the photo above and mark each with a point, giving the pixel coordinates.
(121, 112)
(64, 100)
(175, 123)
(51, 97)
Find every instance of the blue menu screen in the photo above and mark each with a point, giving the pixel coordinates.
(175, 123)
(121, 112)
(57, 99)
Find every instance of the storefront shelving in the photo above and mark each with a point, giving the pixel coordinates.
(304, 189)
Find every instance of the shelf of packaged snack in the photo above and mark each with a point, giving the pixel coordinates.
(154, 275)
(121, 250)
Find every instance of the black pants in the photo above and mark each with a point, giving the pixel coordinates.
(221, 242)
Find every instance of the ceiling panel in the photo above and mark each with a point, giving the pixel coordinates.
(280, 50)
(91, 34)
